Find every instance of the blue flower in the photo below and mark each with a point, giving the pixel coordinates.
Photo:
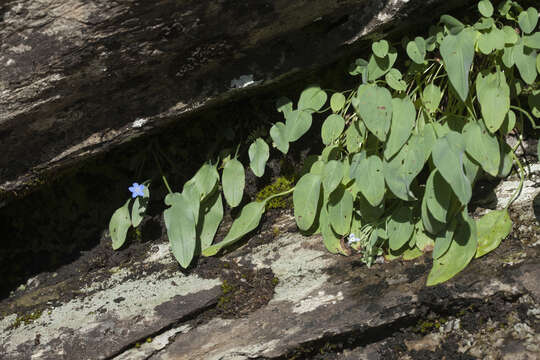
(136, 190)
(352, 239)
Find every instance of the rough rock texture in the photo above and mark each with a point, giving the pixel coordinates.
(81, 77)
(323, 306)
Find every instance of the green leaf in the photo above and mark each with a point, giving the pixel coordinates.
(380, 48)
(494, 98)
(340, 210)
(358, 67)
(453, 25)
(139, 207)
(332, 176)
(538, 63)
(506, 160)
(278, 133)
(471, 167)
(378, 67)
(504, 7)
(331, 240)
(493, 227)
(431, 97)
(431, 225)
(192, 194)
(369, 177)
(312, 99)
(509, 123)
(508, 57)
(181, 227)
(411, 254)
(438, 196)
(306, 200)
(458, 256)
(403, 118)
(510, 35)
(337, 101)
(483, 147)
(423, 241)
(332, 128)
(400, 227)
(205, 180)
(374, 105)
(284, 105)
(210, 218)
(528, 20)
(119, 225)
(368, 212)
(249, 219)
(448, 153)
(394, 80)
(457, 52)
(534, 102)
(234, 181)
(417, 50)
(485, 8)
(492, 40)
(258, 155)
(354, 136)
(525, 59)
(532, 41)
(297, 124)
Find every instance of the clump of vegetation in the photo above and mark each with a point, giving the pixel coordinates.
(402, 151)
(26, 319)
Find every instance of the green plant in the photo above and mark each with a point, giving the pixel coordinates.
(402, 151)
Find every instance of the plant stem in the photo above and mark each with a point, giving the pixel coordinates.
(280, 194)
(161, 172)
(521, 180)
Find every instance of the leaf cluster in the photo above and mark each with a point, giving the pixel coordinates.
(402, 151)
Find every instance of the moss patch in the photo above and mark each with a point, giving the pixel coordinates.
(280, 185)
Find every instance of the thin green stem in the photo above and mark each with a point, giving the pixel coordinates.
(521, 180)
(533, 123)
(278, 195)
(161, 172)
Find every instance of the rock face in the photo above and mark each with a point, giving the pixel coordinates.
(81, 77)
(284, 296)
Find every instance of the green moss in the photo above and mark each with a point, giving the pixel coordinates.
(26, 319)
(281, 184)
(275, 281)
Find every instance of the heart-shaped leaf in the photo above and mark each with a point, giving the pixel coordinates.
(306, 200)
(374, 105)
(284, 105)
(354, 136)
(380, 48)
(417, 50)
(234, 180)
(493, 227)
(258, 155)
(510, 35)
(393, 78)
(528, 20)
(119, 225)
(532, 41)
(331, 240)
(457, 52)
(297, 124)
(369, 177)
(378, 67)
(205, 180)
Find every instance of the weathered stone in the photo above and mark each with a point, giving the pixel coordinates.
(79, 78)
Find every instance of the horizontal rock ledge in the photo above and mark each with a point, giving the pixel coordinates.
(81, 78)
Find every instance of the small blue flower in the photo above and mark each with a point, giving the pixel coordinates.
(136, 190)
(352, 239)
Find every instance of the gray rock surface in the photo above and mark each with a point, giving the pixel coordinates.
(321, 304)
(81, 77)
